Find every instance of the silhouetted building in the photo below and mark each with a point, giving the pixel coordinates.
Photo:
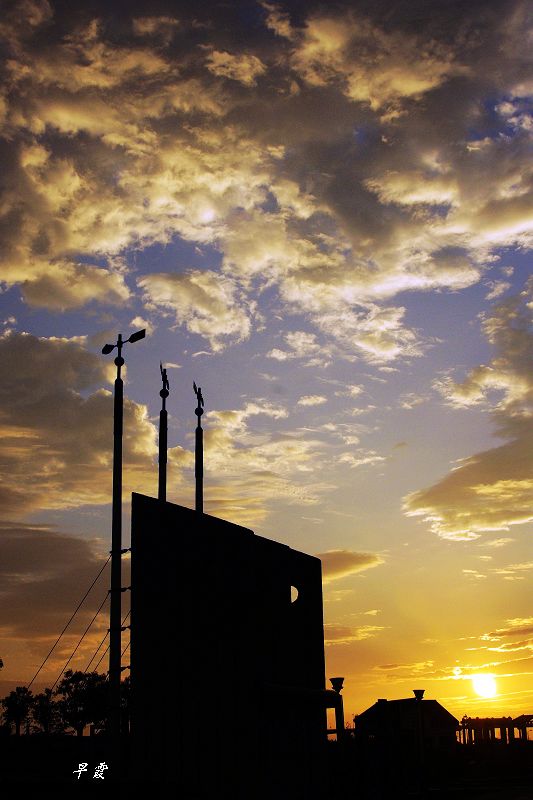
(522, 723)
(228, 688)
(481, 730)
(410, 723)
(504, 730)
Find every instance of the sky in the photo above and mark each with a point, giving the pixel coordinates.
(322, 214)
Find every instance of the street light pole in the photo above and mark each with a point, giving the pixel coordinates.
(115, 627)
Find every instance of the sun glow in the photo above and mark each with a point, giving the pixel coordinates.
(484, 685)
(207, 215)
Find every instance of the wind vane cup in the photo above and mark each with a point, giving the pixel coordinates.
(115, 627)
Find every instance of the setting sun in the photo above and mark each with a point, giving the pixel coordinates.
(484, 685)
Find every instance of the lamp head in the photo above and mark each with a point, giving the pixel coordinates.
(138, 335)
(108, 348)
(337, 684)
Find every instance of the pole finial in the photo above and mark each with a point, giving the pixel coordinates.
(164, 378)
(199, 397)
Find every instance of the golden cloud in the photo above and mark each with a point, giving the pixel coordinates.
(342, 563)
(57, 442)
(369, 64)
(42, 568)
(111, 144)
(64, 285)
(343, 634)
(243, 67)
(278, 20)
(518, 626)
(159, 27)
(208, 304)
(249, 469)
(47, 570)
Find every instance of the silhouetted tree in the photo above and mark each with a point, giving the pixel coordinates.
(17, 706)
(83, 699)
(46, 713)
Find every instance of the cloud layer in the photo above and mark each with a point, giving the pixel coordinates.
(164, 128)
(56, 422)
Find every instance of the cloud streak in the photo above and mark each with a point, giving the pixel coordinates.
(491, 490)
(338, 564)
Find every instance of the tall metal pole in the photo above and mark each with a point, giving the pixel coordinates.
(199, 452)
(163, 429)
(115, 615)
(115, 612)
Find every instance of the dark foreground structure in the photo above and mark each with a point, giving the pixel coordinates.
(420, 724)
(228, 685)
(228, 692)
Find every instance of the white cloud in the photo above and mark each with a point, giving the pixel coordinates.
(361, 458)
(251, 467)
(207, 303)
(312, 400)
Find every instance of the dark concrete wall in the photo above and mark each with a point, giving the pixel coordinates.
(227, 673)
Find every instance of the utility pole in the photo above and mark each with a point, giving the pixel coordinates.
(199, 452)
(163, 428)
(115, 626)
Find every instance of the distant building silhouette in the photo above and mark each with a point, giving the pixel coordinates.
(522, 723)
(504, 730)
(412, 722)
(228, 684)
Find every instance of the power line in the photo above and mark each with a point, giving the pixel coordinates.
(80, 641)
(99, 646)
(102, 657)
(106, 650)
(96, 652)
(70, 620)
